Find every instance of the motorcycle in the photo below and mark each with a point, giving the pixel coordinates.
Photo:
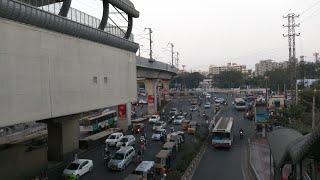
(241, 134)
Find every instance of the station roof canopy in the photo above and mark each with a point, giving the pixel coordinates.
(279, 140)
(288, 145)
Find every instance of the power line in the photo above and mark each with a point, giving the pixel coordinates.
(310, 16)
(310, 7)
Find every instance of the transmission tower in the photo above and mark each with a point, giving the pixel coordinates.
(292, 50)
(177, 60)
(150, 43)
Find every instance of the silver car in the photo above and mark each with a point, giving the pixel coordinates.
(122, 158)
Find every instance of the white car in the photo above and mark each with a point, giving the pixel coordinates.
(178, 120)
(154, 119)
(174, 111)
(113, 139)
(159, 125)
(128, 140)
(78, 168)
(141, 101)
(207, 105)
(158, 134)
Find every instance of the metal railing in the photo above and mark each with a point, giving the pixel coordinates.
(54, 7)
(32, 15)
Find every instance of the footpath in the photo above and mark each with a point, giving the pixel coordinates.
(259, 158)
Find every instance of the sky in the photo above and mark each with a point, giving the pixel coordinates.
(212, 32)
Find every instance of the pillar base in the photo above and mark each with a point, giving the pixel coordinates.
(63, 137)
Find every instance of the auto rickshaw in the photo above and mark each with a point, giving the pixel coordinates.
(170, 146)
(192, 127)
(162, 160)
(185, 124)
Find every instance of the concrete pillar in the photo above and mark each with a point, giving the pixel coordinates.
(151, 90)
(63, 137)
(128, 106)
(277, 173)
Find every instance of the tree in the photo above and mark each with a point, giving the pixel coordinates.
(188, 80)
(229, 79)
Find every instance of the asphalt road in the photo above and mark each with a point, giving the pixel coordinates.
(230, 164)
(100, 171)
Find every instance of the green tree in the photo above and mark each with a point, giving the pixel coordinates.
(229, 79)
(188, 80)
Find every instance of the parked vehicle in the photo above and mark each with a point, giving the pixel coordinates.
(178, 120)
(128, 140)
(154, 119)
(145, 170)
(113, 139)
(158, 134)
(159, 125)
(78, 168)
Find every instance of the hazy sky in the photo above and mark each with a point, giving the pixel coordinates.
(216, 32)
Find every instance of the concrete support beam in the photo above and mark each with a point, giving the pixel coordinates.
(63, 137)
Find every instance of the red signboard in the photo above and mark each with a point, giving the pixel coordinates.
(150, 99)
(122, 111)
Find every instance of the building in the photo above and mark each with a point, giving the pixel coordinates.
(230, 66)
(265, 65)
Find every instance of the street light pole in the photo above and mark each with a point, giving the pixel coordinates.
(313, 109)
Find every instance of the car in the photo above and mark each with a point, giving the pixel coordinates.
(174, 111)
(141, 101)
(122, 158)
(207, 105)
(77, 168)
(145, 170)
(178, 120)
(159, 125)
(127, 140)
(154, 119)
(113, 139)
(137, 128)
(158, 134)
(193, 108)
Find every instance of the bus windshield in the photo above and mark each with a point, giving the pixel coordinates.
(220, 136)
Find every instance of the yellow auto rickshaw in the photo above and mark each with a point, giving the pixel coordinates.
(192, 127)
(185, 124)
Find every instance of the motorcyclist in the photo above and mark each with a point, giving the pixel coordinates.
(241, 132)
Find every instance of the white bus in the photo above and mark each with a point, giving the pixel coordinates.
(240, 104)
(99, 121)
(222, 133)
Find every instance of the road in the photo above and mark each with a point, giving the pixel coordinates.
(227, 164)
(100, 171)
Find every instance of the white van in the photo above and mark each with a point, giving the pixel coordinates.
(122, 158)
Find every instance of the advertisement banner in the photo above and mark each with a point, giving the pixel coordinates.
(122, 111)
(150, 99)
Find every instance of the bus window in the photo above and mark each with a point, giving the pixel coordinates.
(220, 136)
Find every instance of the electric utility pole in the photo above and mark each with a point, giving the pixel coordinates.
(292, 49)
(171, 44)
(177, 60)
(150, 42)
(316, 57)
